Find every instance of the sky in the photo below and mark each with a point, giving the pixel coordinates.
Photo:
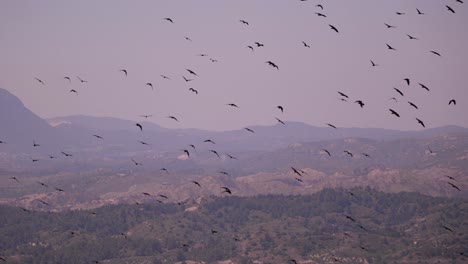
(95, 39)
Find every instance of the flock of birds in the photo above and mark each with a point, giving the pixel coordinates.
(191, 75)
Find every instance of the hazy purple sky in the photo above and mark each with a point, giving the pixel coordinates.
(94, 39)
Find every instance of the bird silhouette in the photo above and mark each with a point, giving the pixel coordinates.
(419, 12)
(390, 47)
(250, 47)
(407, 80)
(299, 180)
(296, 171)
(164, 169)
(436, 53)
(349, 153)
(452, 102)
(146, 116)
(196, 183)
(136, 163)
(272, 64)
(35, 144)
(373, 64)
(40, 81)
(330, 125)
(326, 151)
(421, 122)
(42, 202)
(319, 6)
(450, 9)
(169, 19)
(186, 79)
(454, 186)
(14, 178)
(187, 153)
(280, 108)
(124, 71)
(320, 14)
(165, 77)
(97, 136)
(413, 105)
(394, 113)
(411, 37)
(230, 156)
(350, 218)
(191, 72)
(400, 13)
(342, 94)
(333, 28)
(173, 118)
(258, 44)
(74, 91)
(305, 44)
(139, 126)
(193, 90)
(226, 190)
(67, 78)
(58, 189)
(248, 129)
(450, 177)
(366, 155)
(143, 143)
(209, 141)
(233, 105)
(389, 26)
(280, 121)
(150, 85)
(244, 22)
(66, 154)
(193, 146)
(224, 173)
(398, 91)
(215, 152)
(81, 80)
(361, 104)
(447, 228)
(424, 86)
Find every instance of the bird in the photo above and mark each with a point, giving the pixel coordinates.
(146, 116)
(390, 47)
(250, 47)
(452, 101)
(450, 177)
(333, 28)
(413, 105)
(450, 9)
(400, 13)
(244, 22)
(35, 160)
(215, 152)
(52, 157)
(163, 196)
(350, 218)
(3, 259)
(67, 78)
(419, 12)
(272, 64)
(15, 179)
(40, 81)
(187, 38)
(320, 14)
(58, 189)
(389, 26)
(74, 91)
(230, 156)
(193, 90)
(248, 129)
(187, 153)
(97, 136)
(186, 79)
(394, 99)
(146, 194)
(299, 180)
(446, 228)
(173, 118)
(330, 125)
(280, 121)
(454, 186)
(143, 143)
(81, 80)
(165, 77)
(213, 60)
(224, 173)
(2, 142)
(407, 80)
(209, 141)
(342, 94)
(296, 171)
(233, 105)
(226, 190)
(280, 108)
(43, 202)
(140, 126)
(373, 64)
(258, 44)
(35, 144)
(164, 169)
(398, 91)
(137, 163)
(66, 154)
(411, 37)
(360, 103)
(169, 19)
(214, 231)
(202, 55)
(424, 86)
(193, 146)
(365, 155)
(305, 44)
(430, 150)
(394, 113)
(25, 210)
(196, 183)
(421, 122)
(150, 85)
(124, 71)
(191, 72)
(326, 151)
(319, 6)
(348, 152)
(436, 53)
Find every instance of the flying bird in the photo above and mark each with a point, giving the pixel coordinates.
(226, 190)
(66, 154)
(390, 47)
(446, 228)
(136, 163)
(224, 173)
(389, 26)
(143, 143)
(215, 152)
(450, 177)
(342, 94)
(196, 183)
(165, 77)
(319, 6)
(187, 153)
(424, 86)
(146, 116)
(173, 118)
(296, 171)
(452, 101)
(164, 169)
(450, 9)
(163, 196)
(413, 105)
(299, 180)
(193, 90)
(454, 186)
(191, 72)
(350, 218)
(398, 91)
(169, 19)
(419, 12)
(187, 38)
(233, 105)
(407, 80)
(67, 78)
(400, 13)
(365, 155)
(333, 28)
(259, 44)
(97, 136)
(421, 122)
(43, 202)
(250, 47)
(373, 64)
(244, 22)
(230, 156)
(326, 151)
(35, 144)
(280, 108)
(272, 64)
(411, 37)
(209, 141)
(305, 44)
(15, 179)
(193, 146)
(248, 129)
(320, 14)
(81, 80)
(40, 81)
(361, 104)
(58, 189)
(348, 152)
(436, 53)
(280, 121)
(330, 125)
(394, 113)
(138, 125)
(124, 71)
(74, 91)
(186, 79)
(150, 85)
